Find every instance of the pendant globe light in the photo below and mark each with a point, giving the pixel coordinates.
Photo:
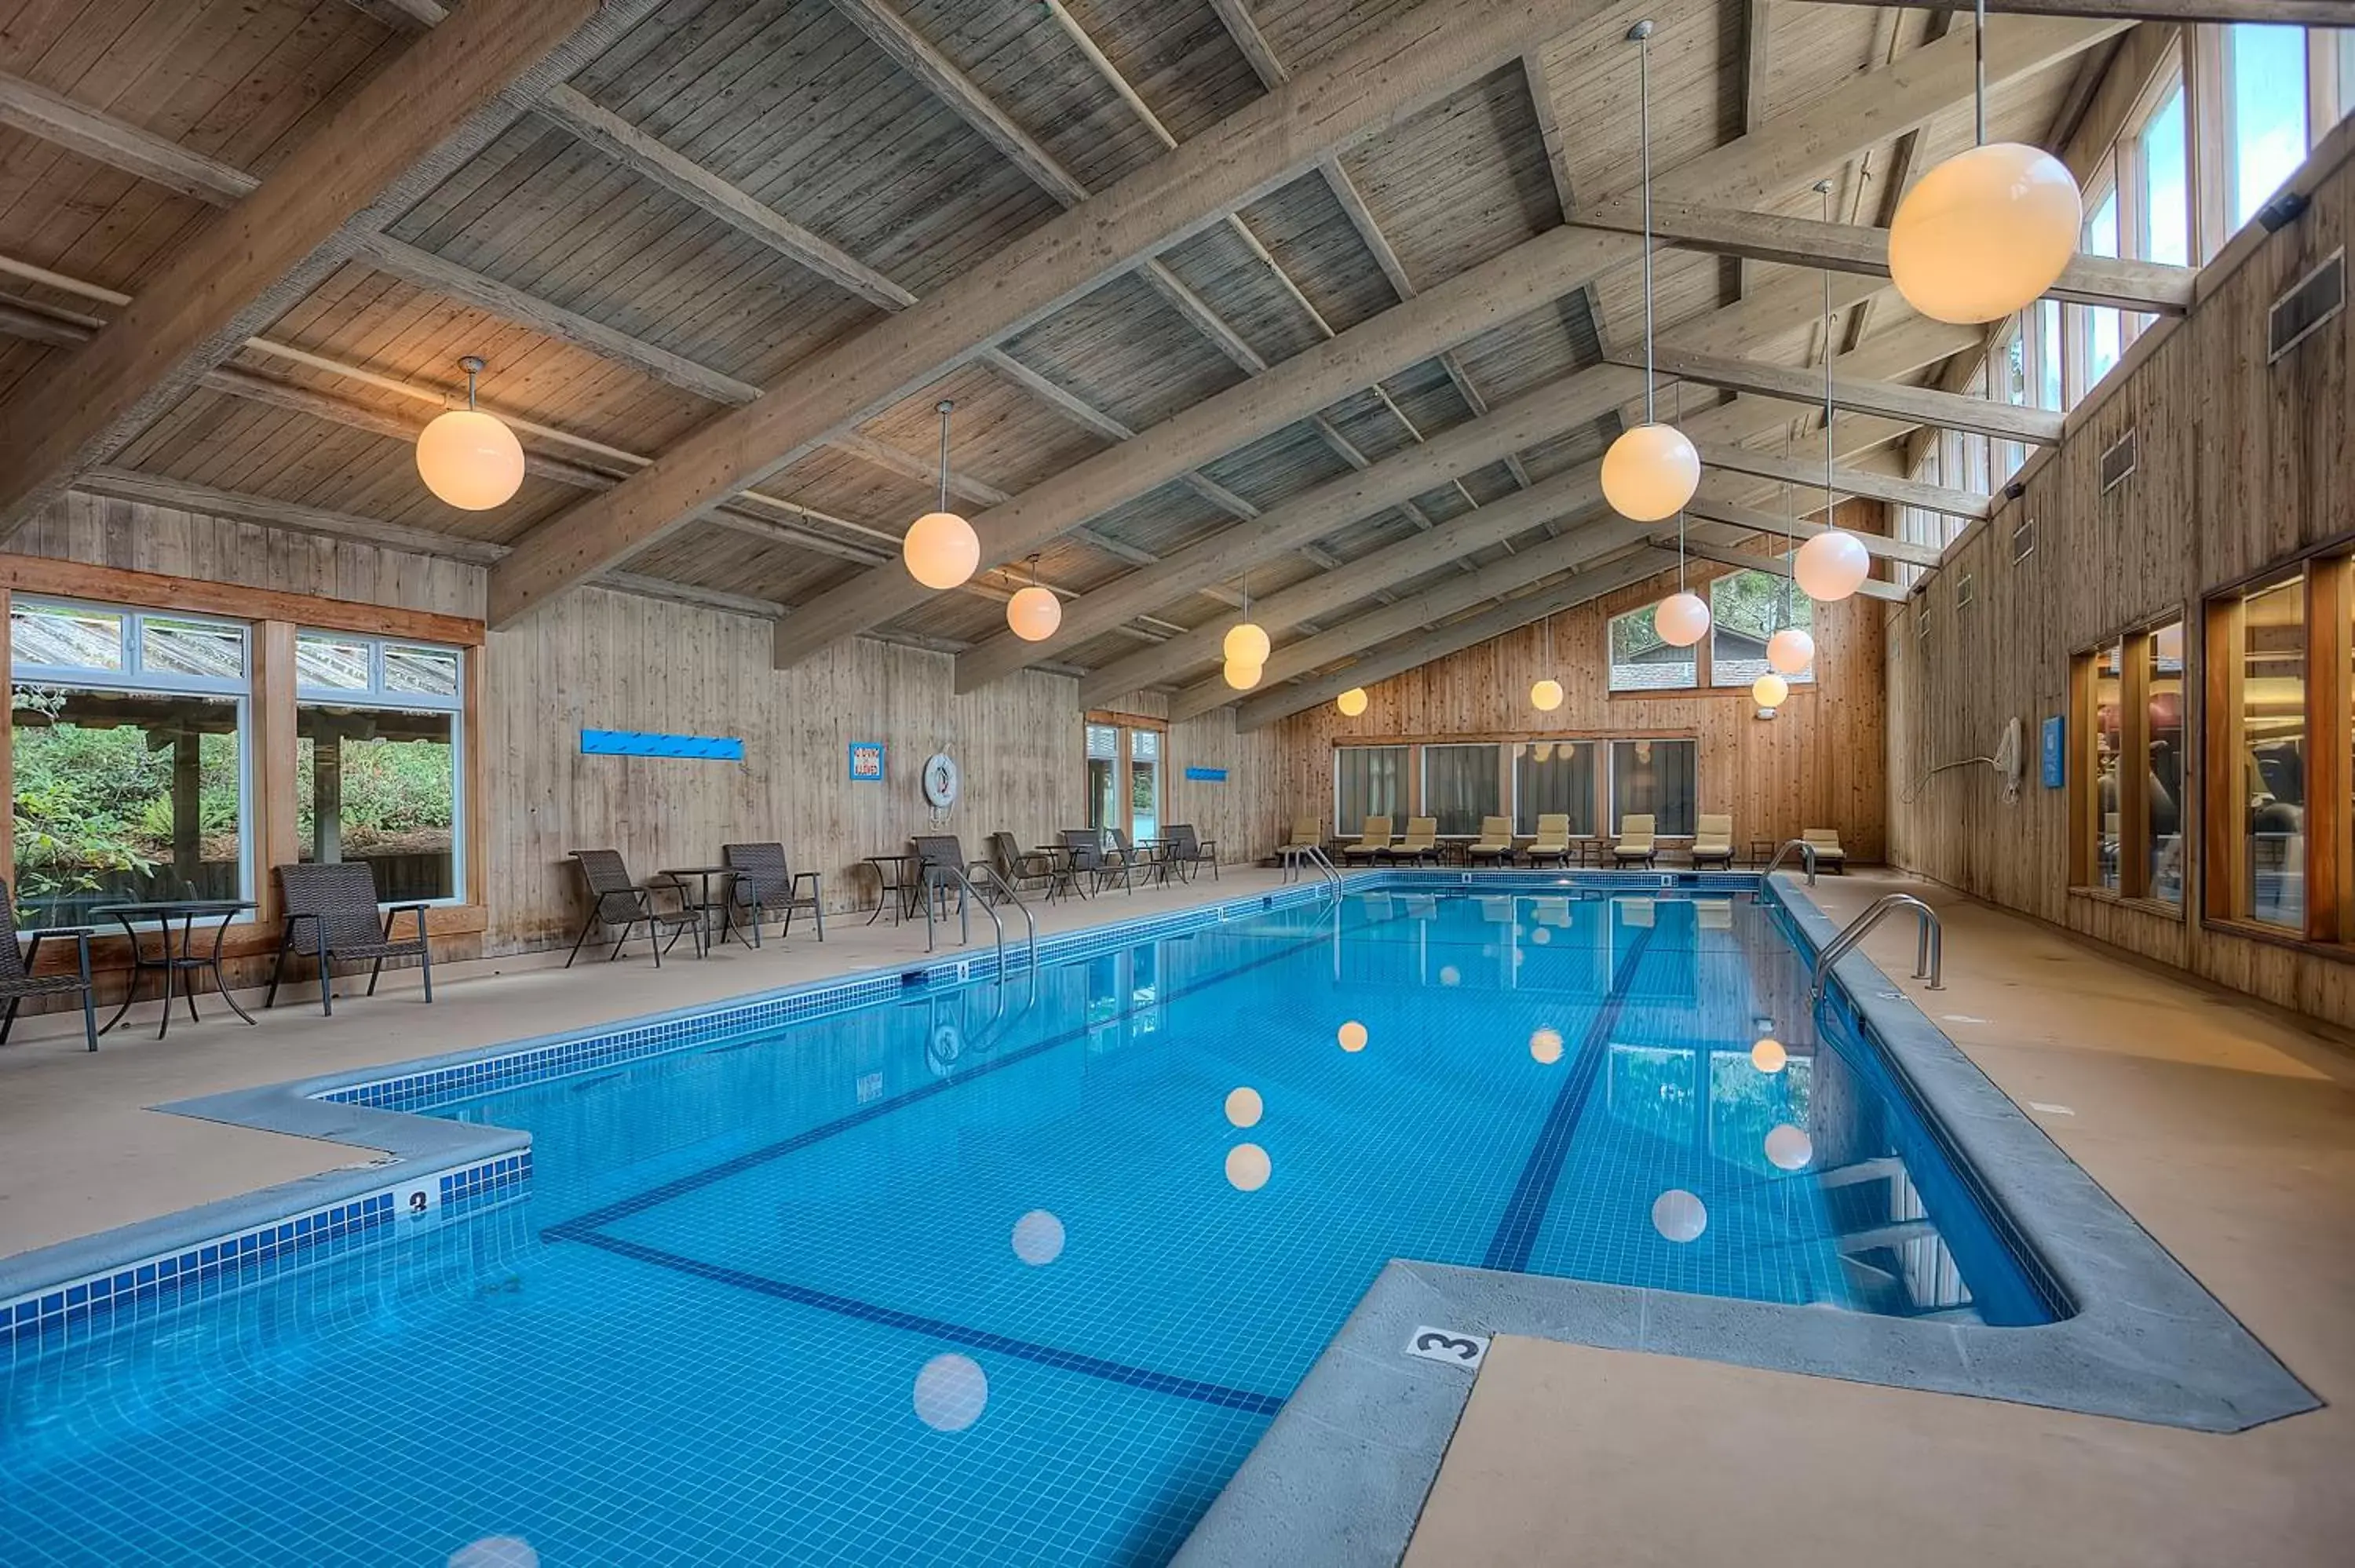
(1034, 613)
(468, 458)
(1791, 650)
(1351, 703)
(1245, 642)
(1241, 676)
(1770, 691)
(1988, 231)
(1651, 470)
(1546, 694)
(1682, 618)
(1833, 565)
(942, 550)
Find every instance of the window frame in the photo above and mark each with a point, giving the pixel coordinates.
(381, 696)
(1614, 815)
(1124, 765)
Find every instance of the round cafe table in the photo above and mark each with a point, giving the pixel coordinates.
(162, 913)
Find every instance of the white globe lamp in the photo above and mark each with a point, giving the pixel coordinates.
(468, 458)
(1790, 650)
(1770, 690)
(1832, 566)
(1985, 233)
(1649, 473)
(940, 549)
(1246, 644)
(1242, 677)
(1681, 620)
(1546, 695)
(1034, 613)
(1351, 703)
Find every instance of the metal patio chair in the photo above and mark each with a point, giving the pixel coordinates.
(616, 899)
(1083, 855)
(331, 913)
(766, 885)
(1181, 851)
(18, 982)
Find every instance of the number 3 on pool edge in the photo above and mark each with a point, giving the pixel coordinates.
(1462, 1349)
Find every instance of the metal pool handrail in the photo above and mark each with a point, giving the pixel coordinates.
(1929, 946)
(970, 896)
(1807, 853)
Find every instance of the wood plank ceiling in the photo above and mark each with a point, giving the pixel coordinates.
(738, 184)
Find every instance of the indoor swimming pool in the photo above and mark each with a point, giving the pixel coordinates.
(1011, 1273)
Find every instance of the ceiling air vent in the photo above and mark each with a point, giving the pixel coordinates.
(2311, 301)
(2117, 461)
(2023, 541)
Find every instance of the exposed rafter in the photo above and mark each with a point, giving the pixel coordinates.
(1773, 565)
(38, 111)
(438, 102)
(2005, 421)
(1808, 477)
(2297, 12)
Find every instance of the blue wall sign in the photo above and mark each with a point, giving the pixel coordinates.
(638, 743)
(2056, 752)
(866, 762)
(1207, 775)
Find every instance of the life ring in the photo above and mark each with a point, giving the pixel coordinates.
(941, 781)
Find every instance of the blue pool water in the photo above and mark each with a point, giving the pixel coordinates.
(992, 1275)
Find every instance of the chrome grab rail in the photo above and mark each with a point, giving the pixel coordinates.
(1929, 945)
(968, 895)
(1294, 856)
(1807, 854)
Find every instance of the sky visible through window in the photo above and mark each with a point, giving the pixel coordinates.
(2268, 117)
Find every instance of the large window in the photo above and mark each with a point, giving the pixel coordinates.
(2162, 782)
(131, 735)
(1461, 785)
(1124, 775)
(2265, 126)
(1655, 777)
(1745, 609)
(1369, 781)
(2126, 780)
(1554, 777)
(378, 774)
(2272, 723)
(1642, 661)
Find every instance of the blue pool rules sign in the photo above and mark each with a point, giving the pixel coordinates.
(2055, 755)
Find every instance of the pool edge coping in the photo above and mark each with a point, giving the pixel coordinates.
(1342, 1474)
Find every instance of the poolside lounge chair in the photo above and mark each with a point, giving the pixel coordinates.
(1022, 868)
(1308, 832)
(18, 982)
(1494, 842)
(1181, 851)
(1825, 843)
(1714, 842)
(1420, 845)
(331, 912)
(1083, 856)
(1370, 843)
(616, 899)
(1553, 842)
(1638, 844)
(1135, 860)
(938, 855)
(765, 884)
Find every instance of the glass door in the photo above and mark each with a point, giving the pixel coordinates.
(1144, 785)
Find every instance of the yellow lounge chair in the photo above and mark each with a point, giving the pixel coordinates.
(1553, 842)
(1308, 832)
(1494, 842)
(1372, 842)
(1825, 843)
(1420, 845)
(1637, 844)
(1714, 842)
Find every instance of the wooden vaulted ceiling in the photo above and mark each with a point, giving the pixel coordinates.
(728, 189)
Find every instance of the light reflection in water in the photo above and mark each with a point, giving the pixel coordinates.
(1037, 1238)
(1546, 1045)
(1248, 1167)
(1243, 1107)
(1352, 1035)
(951, 1392)
(1789, 1148)
(1678, 1216)
(1768, 1055)
(495, 1551)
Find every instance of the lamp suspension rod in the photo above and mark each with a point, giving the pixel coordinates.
(1830, 500)
(946, 404)
(1978, 73)
(1642, 33)
(473, 365)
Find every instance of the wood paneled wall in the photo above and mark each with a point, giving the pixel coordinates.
(619, 661)
(1817, 764)
(2241, 464)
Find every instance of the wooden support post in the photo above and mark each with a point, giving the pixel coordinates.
(2224, 803)
(2329, 732)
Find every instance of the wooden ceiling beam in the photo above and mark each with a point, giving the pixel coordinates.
(1980, 416)
(1590, 581)
(2299, 13)
(403, 16)
(1386, 76)
(434, 106)
(1808, 477)
(1773, 565)
(2146, 286)
(1562, 496)
(99, 136)
(1880, 547)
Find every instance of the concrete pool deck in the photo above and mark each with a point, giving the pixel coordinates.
(2225, 1128)
(81, 1149)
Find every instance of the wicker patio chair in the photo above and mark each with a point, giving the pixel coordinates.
(1022, 868)
(331, 913)
(765, 884)
(614, 899)
(1134, 858)
(18, 982)
(1182, 851)
(1083, 856)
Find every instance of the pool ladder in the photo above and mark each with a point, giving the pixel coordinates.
(936, 877)
(1929, 946)
(1807, 854)
(1314, 856)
